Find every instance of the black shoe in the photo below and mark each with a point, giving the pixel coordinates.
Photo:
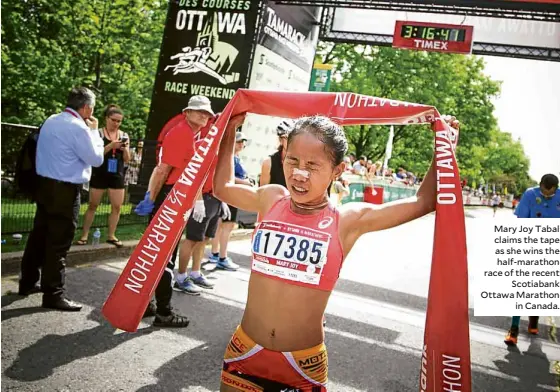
(61, 303)
(150, 310)
(28, 291)
(173, 320)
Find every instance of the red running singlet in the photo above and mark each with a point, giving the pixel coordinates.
(303, 250)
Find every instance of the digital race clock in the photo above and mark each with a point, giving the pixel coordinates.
(433, 37)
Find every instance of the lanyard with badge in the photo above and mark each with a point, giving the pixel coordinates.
(112, 163)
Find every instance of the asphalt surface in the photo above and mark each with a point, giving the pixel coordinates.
(374, 333)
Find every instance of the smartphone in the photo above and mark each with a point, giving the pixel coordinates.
(124, 140)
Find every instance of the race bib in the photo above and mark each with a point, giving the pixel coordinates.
(290, 252)
(112, 164)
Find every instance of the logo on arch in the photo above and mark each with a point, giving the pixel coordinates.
(326, 222)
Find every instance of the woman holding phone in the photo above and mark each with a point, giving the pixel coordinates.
(109, 176)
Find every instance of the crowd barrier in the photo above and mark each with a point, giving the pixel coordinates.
(377, 191)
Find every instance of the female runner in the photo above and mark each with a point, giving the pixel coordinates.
(298, 250)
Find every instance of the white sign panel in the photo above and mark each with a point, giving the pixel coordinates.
(270, 72)
(282, 61)
(486, 30)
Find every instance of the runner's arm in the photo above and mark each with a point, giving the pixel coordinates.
(370, 217)
(244, 197)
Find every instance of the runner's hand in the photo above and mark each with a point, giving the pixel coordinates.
(237, 121)
(226, 212)
(452, 121)
(199, 211)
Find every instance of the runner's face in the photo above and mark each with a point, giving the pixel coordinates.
(306, 152)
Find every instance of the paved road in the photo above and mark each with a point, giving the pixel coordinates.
(374, 332)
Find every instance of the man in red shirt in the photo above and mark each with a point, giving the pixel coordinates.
(176, 151)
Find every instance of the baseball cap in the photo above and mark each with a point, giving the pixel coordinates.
(200, 102)
(284, 128)
(240, 136)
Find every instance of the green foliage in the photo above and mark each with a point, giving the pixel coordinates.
(109, 46)
(504, 162)
(455, 84)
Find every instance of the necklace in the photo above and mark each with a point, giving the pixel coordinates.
(110, 137)
(308, 207)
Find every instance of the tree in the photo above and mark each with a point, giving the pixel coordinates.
(455, 84)
(505, 164)
(110, 46)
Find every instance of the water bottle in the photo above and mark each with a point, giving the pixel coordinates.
(96, 237)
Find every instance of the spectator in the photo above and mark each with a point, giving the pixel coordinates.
(221, 240)
(347, 164)
(411, 178)
(134, 164)
(401, 174)
(176, 151)
(109, 176)
(340, 190)
(379, 169)
(202, 226)
(496, 200)
(371, 171)
(542, 201)
(359, 167)
(69, 145)
(272, 171)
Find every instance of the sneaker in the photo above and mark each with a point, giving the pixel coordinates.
(172, 320)
(213, 259)
(187, 286)
(227, 264)
(511, 337)
(202, 282)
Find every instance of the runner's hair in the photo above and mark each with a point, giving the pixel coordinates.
(327, 131)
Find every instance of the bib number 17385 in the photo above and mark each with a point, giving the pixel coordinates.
(291, 248)
(291, 243)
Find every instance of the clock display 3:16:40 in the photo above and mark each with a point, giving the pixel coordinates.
(433, 33)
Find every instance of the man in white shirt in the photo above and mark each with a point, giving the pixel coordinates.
(69, 145)
(359, 166)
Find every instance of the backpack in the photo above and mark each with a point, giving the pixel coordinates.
(26, 170)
